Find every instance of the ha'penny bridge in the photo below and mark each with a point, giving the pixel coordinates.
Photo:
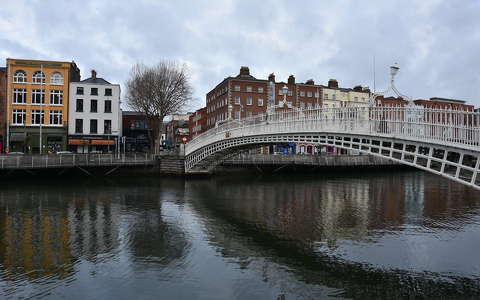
(441, 141)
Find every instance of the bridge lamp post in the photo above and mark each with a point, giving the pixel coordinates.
(393, 72)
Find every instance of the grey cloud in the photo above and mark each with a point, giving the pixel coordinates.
(435, 42)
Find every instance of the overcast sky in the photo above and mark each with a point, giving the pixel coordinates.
(436, 43)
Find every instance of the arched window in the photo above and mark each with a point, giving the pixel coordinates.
(56, 78)
(20, 76)
(38, 77)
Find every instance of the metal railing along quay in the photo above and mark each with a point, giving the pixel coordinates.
(74, 160)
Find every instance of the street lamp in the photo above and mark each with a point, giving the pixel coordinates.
(393, 71)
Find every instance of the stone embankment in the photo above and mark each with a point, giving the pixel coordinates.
(174, 164)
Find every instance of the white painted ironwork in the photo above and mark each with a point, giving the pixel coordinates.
(442, 141)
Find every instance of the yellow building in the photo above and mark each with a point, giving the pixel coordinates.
(38, 93)
(333, 96)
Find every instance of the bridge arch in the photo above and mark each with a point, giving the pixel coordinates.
(443, 149)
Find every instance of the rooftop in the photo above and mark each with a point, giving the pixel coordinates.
(95, 80)
(447, 100)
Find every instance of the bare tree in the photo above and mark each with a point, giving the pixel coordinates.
(158, 91)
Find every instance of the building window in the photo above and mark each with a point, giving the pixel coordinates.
(108, 92)
(79, 105)
(302, 94)
(309, 94)
(38, 96)
(249, 88)
(290, 93)
(334, 97)
(237, 115)
(260, 102)
(280, 92)
(93, 126)
(325, 96)
(56, 97)
(19, 96)
(19, 116)
(355, 98)
(38, 116)
(79, 90)
(94, 91)
(317, 94)
(38, 77)
(249, 114)
(107, 126)
(237, 88)
(56, 79)
(55, 117)
(249, 101)
(93, 105)
(363, 99)
(260, 89)
(302, 105)
(237, 100)
(108, 106)
(78, 125)
(20, 76)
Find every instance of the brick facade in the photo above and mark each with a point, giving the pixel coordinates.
(3, 107)
(444, 103)
(245, 96)
(197, 122)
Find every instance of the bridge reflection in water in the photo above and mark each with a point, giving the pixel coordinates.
(372, 237)
(356, 235)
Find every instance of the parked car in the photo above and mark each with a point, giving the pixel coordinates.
(15, 153)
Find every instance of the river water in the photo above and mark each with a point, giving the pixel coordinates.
(342, 235)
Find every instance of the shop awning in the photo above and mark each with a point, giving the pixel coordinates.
(78, 142)
(102, 142)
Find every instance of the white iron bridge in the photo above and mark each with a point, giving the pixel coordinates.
(441, 141)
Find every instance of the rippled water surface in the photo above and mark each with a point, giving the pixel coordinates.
(342, 235)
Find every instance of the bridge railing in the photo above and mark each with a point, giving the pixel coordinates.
(455, 127)
(72, 160)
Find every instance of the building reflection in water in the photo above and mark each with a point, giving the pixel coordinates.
(331, 208)
(45, 230)
(295, 224)
(34, 234)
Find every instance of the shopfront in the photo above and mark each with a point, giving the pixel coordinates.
(92, 144)
(27, 140)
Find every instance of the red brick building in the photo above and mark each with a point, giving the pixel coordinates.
(390, 101)
(3, 107)
(245, 96)
(197, 122)
(444, 103)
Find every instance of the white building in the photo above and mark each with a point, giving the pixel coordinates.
(94, 117)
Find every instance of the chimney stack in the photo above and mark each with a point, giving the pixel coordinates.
(271, 77)
(291, 79)
(332, 83)
(244, 71)
(94, 74)
(310, 82)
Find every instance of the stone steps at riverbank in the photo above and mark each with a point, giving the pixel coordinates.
(171, 164)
